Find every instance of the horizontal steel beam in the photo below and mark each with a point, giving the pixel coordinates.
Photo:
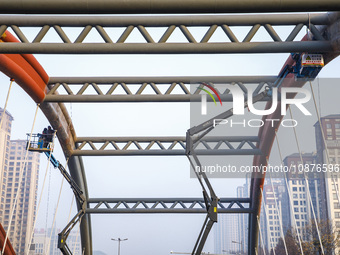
(184, 41)
(164, 21)
(220, 152)
(163, 146)
(135, 89)
(171, 139)
(166, 48)
(166, 200)
(162, 79)
(161, 6)
(132, 98)
(188, 210)
(164, 205)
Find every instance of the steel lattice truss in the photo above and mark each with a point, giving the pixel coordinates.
(159, 35)
(165, 205)
(151, 146)
(174, 34)
(144, 89)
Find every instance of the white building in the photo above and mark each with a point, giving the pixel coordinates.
(19, 174)
(301, 209)
(273, 214)
(227, 234)
(46, 242)
(330, 155)
(243, 219)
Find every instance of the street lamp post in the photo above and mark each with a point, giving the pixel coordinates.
(119, 240)
(241, 246)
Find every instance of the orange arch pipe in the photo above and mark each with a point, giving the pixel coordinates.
(8, 249)
(15, 71)
(29, 58)
(25, 70)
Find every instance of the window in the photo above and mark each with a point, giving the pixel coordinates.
(296, 203)
(294, 188)
(337, 224)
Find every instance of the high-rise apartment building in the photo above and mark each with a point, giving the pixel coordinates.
(231, 231)
(307, 199)
(243, 218)
(273, 214)
(328, 152)
(19, 176)
(227, 234)
(5, 136)
(47, 239)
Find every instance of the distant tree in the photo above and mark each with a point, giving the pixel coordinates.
(310, 241)
(292, 247)
(329, 237)
(261, 252)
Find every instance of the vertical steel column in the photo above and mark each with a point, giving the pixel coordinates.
(76, 169)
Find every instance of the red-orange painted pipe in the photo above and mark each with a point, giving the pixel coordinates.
(8, 249)
(25, 70)
(29, 58)
(13, 70)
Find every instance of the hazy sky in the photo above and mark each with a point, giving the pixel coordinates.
(144, 176)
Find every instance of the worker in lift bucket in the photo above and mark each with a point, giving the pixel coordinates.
(44, 138)
(50, 134)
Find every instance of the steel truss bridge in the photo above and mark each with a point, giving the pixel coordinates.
(52, 92)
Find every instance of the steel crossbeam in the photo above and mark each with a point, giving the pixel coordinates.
(144, 89)
(164, 146)
(177, 34)
(161, 6)
(164, 205)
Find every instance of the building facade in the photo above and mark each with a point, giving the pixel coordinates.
(327, 136)
(19, 189)
(273, 216)
(46, 242)
(307, 199)
(5, 137)
(227, 234)
(243, 219)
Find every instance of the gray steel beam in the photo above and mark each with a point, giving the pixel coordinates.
(161, 6)
(164, 21)
(175, 89)
(162, 79)
(242, 200)
(165, 211)
(230, 152)
(166, 48)
(191, 44)
(171, 139)
(163, 146)
(164, 205)
(131, 98)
